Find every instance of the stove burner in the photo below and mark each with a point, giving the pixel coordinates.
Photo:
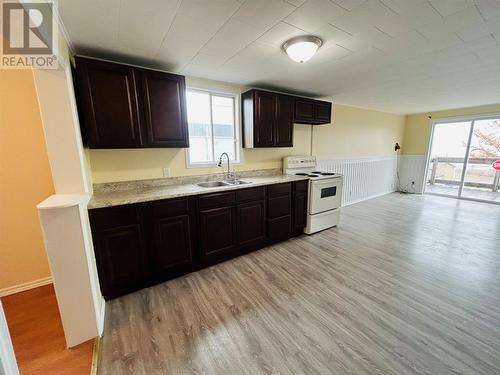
(313, 175)
(327, 174)
(301, 174)
(317, 172)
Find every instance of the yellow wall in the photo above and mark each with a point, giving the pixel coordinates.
(122, 165)
(358, 133)
(418, 126)
(355, 133)
(25, 180)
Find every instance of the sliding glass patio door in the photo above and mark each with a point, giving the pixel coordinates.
(462, 158)
(481, 179)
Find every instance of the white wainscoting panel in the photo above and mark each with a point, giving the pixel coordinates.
(412, 169)
(363, 178)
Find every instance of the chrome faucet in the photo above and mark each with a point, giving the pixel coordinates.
(229, 176)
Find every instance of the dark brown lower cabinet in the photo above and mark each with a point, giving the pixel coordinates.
(121, 257)
(172, 240)
(299, 212)
(279, 212)
(299, 206)
(217, 233)
(251, 219)
(142, 244)
(279, 229)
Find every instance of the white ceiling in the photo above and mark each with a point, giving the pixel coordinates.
(401, 56)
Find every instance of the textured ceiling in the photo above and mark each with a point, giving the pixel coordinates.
(401, 56)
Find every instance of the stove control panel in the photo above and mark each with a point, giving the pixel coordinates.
(297, 162)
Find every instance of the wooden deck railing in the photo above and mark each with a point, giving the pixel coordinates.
(485, 161)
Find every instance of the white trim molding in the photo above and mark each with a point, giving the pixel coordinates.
(25, 286)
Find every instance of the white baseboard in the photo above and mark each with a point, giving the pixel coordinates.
(25, 286)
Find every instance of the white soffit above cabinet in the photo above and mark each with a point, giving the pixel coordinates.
(401, 56)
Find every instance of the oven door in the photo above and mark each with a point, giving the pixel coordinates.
(325, 195)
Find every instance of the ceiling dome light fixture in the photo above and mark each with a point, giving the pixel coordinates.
(302, 48)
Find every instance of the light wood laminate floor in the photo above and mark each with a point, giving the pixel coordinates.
(405, 285)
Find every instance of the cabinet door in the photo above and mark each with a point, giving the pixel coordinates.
(172, 252)
(304, 111)
(121, 259)
(163, 98)
(217, 233)
(110, 107)
(265, 114)
(323, 112)
(299, 212)
(279, 229)
(251, 223)
(284, 121)
(279, 206)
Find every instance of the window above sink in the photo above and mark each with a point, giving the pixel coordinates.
(213, 122)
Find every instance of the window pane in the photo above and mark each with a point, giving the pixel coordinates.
(223, 119)
(449, 147)
(200, 130)
(482, 181)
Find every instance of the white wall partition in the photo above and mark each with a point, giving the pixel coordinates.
(363, 178)
(72, 264)
(71, 258)
(8, 365)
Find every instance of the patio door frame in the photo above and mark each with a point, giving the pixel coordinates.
(445, 120)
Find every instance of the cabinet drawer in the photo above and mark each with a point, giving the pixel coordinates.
(279, 189)
(216, 200)
(280, 228)
(114, 216)
(279, 206)
(169, 207)
(301, 186)
(251, 194)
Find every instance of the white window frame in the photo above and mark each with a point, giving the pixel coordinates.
(237, 128)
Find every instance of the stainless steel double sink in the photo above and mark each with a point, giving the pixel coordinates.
(213, 184)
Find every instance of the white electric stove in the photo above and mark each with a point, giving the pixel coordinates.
(325, 192)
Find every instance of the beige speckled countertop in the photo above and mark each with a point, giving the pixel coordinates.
(108, 197)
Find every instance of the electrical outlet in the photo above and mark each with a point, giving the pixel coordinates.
(166, 172)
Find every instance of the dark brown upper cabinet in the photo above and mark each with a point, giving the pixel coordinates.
(267, 119)
(164, 106)
(314, 112)
(128, 107)
(109, 104)
(284, 117)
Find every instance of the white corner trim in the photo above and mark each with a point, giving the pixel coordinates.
(8, 364)
(64, 31)
(102, 315)
(25, 286)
